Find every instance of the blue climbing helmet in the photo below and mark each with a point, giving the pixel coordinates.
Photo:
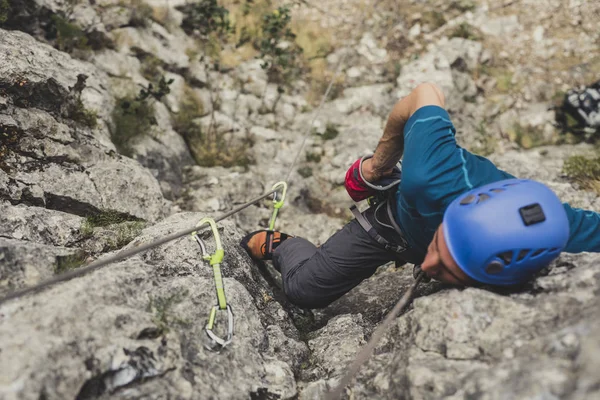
(504, 232)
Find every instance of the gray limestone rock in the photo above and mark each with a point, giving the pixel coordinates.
(126, 327)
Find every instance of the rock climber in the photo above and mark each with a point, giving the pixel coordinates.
(458, 216)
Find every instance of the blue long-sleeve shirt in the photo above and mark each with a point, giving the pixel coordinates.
(435, 170)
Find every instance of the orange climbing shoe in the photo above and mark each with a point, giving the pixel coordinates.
(261, 244)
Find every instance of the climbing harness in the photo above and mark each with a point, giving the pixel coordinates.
(215, 260)
(366, 225)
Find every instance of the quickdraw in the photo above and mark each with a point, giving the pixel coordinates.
(277, 202)
(215, 260)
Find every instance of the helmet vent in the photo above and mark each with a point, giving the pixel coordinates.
(523, 254)
(532, 214)
(482, 197)
(497, 190)
(495, 267)
(506, 257)
(467, 200)
(537, 252)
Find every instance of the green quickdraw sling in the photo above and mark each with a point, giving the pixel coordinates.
(215, 260)
(277, 202)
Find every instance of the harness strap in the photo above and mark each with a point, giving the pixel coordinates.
(366, 225)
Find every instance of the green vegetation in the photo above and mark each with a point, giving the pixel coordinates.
(9, 138)
(81, 114)
(149, 91)
(278, 48)
(305, 172)
(504, 82)
(585, 171)
(108, 217)
(69, 36)
(465, 31)
(206, 17)
(161, 308)
(528, 137)
(125, 233)
(488, 142)
(132, 118)
(151, 67)
(209, 148)
(141, 14)
(331, 132)
(70, 262)
(434, 19)
(313, 157)
(463, 5)
(116, 228)
(4, 9)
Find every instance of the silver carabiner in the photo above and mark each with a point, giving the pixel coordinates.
(217, 344)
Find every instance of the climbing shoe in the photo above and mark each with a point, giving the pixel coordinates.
(261, 244)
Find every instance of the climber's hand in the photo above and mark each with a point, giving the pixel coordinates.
(362, 182)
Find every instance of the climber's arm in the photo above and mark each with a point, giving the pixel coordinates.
(391, 145)
(585, 230)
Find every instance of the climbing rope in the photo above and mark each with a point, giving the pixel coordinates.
(123, 254)
(216, 259)
(365, 353)
(141, 248)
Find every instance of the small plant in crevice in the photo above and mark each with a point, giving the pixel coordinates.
(134, 117)
(9, 140)
(585, 171)
(69, 262)
(81, 114)
(465, 31)
(209, 148)
(151, 67)
(4, 10)
(331, 131)
(463, 5)
(313, 157)
(141, 14)
(124, 233)
(69, 36)
(433, 19)
(205, 17)
(115, 229)
(157, 93)
(305, 172)
(162, 311)
(73, 107)
(108, 217)
(279, 51)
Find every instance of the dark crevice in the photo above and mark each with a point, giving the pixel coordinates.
(48, 96)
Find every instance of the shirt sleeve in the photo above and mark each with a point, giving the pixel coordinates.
(584, 230)
(434, 168)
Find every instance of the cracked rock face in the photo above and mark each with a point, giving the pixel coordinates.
(119, 312)
(135, 329)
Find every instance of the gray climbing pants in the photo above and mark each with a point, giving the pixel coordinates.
(313, 277)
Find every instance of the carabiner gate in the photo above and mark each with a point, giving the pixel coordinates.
(277, 202)
(215, 260)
